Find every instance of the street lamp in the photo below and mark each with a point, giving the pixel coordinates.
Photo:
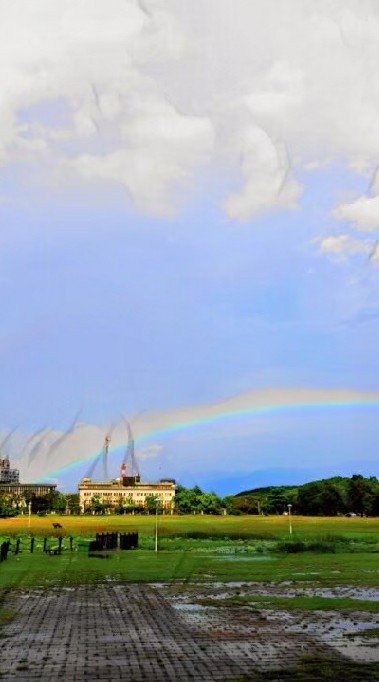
(29, 510)
(289, 517)
(156, 523)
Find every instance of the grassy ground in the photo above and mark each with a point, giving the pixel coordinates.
(197, 547)
(77, 567)
(236, 526)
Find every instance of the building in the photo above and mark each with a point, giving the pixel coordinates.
(27, 490)
(8, 475)
(10, 482)
(129, 489)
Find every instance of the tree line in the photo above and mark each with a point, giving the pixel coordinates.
(12, 504)
(326, 497)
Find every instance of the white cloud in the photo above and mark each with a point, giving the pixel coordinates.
(91, 60)
(160, 149)
(152, 89)
(362, 213)
(342, 245)
(266, 172)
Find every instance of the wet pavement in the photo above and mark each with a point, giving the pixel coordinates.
(158, 632)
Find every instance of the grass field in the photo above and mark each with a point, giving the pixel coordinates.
(232, 526)
(37, 569)
(197, 547)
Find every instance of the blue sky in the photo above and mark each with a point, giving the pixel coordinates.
(171, 238)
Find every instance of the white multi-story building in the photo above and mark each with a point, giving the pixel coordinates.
(8, 475)
(10, 483)
(130, 490)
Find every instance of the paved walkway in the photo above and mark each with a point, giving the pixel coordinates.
(134, 633)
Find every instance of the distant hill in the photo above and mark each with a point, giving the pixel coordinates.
(328, 496)
(266, 490)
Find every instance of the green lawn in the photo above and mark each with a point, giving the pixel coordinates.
(196, 548)
(244, 526)
(144, 565)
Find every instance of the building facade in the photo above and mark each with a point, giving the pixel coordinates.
(130, 490)
(27, 490)
(10, 483)
(8, 475)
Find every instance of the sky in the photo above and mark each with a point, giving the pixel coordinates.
(189, 238)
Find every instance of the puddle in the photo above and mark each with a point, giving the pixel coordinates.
(358, 593)
(190, 607)
(232, 583)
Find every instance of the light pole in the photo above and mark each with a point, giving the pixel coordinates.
(156, 523)
(289, 517)
(29, 510)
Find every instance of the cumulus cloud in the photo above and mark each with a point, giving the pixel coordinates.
(145, 93)
(362, 213)
(266, 172)
(160, 149)
(342, 245)
(72, 80)
(363, 216)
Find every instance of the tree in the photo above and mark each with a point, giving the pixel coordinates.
(72, 503)
(119, 506)
(308, 499)
(245, 504)
(210, 503)
(363, 494)
(187, 500)
(96, 505)
(6, 505)
(56, 502)
(277, 501)
(330, 500)
(151, 503)
(230, 504)
(39, 504)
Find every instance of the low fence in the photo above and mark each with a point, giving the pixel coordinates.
(128, 540)
(54, 545)
(109, 541)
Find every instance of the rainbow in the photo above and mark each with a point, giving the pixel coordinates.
(229, 415)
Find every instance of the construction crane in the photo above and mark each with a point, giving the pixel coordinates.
(129, 466)
(107, 443)
(102, 456)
